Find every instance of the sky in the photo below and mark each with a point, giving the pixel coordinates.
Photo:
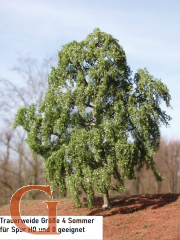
(148, 31)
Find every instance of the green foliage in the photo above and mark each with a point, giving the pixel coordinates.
(91, 147)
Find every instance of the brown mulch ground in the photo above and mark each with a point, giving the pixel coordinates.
(137, 217)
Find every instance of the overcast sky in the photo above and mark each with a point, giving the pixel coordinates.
(148, 31)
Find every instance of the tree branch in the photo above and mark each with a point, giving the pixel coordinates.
(57, 134)
(84, 80)
(6, 184)
(22, 98)
(90, 124)
(98, 44)
(89, 105)
(128, 130)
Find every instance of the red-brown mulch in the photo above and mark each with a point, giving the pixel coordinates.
(136, 217)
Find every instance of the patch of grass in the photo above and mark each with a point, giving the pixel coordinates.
(144, 226)
(137, 238)
(122, 226)
(119, 223)
(157, 236)
(95, 208)
(24, 203)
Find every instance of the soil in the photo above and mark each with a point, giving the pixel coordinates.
(149, 217)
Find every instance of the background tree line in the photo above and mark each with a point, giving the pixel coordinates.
(17, 166)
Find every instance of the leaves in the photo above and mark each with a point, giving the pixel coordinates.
(86, 147)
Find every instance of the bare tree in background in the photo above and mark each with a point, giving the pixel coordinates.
(172, 153)
(161, 161)
(20, 166)
(138, 183)
(5, 162)
(168, 160)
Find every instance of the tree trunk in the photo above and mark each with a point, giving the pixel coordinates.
(106, 204)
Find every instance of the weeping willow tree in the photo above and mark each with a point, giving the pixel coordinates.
(91, 110)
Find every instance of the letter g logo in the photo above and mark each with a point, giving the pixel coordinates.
(16, 217)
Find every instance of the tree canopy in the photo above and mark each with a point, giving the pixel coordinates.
(95, 121)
